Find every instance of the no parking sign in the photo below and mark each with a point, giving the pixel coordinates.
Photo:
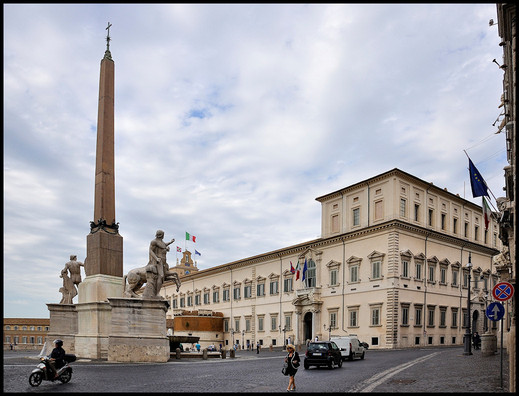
(503, 291)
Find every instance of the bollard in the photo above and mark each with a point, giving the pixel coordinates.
(224, 353)
(204, 354)
(488, 344)
(177, 353)
(231, 354)
(271, 348)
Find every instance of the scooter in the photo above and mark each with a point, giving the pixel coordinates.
(44, 372)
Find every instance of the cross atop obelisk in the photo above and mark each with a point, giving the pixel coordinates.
(104, 244)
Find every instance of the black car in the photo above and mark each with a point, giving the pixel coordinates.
(323, 353)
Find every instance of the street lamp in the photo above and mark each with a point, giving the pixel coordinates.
(232, 333)
(468, 335)
(284, 337)
(329, 331)
(243, 339)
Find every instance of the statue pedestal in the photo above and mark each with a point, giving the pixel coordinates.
(94, 320)
(99, 287)
(138, 330)
(63, 325)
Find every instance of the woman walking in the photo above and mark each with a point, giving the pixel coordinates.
(293, 362)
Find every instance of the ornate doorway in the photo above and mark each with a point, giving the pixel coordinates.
(307, 326)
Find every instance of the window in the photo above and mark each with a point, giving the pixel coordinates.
(247, 325)
(354, 273)
(310, 280)
(455, 273)
(175, 303)
(182, 302)
(376, 270)
(443, 317)
(418, 315)
(416, 212)
(455, 225)
(354, 317)
(197, 299)
(226, 325)
(405, 268)
(206, 298)
(333, 320)
(465, 278)
(288, 322)
(405, 315)
(432, 270)
(485, 241)
(333, 277)
(260, 323)
(430, 316)
(274, 287)
(189, 301)
(236, 292)
(403, 209)
(273, 323)
(247, 291)
(287, 285)
(261, 289)
(454, 317)
(466, 230)
(356, 217)
(418, 267)
(443, 221)
(216, 296)
(476, 232)
(431, 217)
(237, 324)
(443, 275)
(226, 294)
(375, 316)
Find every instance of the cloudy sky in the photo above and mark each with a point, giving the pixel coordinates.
(230, 120)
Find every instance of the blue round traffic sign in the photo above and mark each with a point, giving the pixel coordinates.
(503, 291)
(495, 311)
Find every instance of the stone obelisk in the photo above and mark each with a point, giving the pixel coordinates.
(104, 262)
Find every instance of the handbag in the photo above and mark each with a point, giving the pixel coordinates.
(284, 370)
(296, 356)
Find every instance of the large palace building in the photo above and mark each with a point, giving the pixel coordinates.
(391, 266)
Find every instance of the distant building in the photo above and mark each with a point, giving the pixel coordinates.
(25, 334)
(390, 266)
(186, 265)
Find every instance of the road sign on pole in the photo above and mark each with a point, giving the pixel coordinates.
(503, 291)
(495, 311)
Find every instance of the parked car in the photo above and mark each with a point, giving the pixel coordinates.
(323, 353)
(350, 347)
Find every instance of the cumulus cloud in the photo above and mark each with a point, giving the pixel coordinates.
(230, 120)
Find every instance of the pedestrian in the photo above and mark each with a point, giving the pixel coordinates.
(476, 340)
(11, 345)
(257, 347)
(292, 361)
(198, 347)
(316, 338)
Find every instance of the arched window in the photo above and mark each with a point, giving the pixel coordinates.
(310, 274)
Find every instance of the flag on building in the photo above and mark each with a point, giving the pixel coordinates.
(190, 237)
(304, 271)
(477, 183)
(486, 212)
(179, 249)
(292, 269)
(297, 270)
(197, 253)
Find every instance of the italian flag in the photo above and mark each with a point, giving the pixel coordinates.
(297, 270)
(486, 212)
(190, 237)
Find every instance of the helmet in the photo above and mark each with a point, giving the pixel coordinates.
(58, 343)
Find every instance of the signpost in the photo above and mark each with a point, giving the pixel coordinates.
(503, 291)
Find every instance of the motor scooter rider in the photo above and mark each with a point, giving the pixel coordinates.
(56, 357)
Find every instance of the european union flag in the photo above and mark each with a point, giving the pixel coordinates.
(479, 188)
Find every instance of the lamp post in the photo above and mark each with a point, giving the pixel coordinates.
(486, 319)
(468, 335)
(329, 331)
(243, 339)
(232, 333)
(284, 337)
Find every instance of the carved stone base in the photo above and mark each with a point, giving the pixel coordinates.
(63, 326)
(94, 324)
(138, 330)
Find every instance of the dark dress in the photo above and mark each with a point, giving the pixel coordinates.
(291, 370)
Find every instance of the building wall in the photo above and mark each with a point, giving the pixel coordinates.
(24, 333)
(379, 306)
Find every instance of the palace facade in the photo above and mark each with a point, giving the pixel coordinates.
(391, 266)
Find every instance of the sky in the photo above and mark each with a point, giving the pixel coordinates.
(230, 120)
